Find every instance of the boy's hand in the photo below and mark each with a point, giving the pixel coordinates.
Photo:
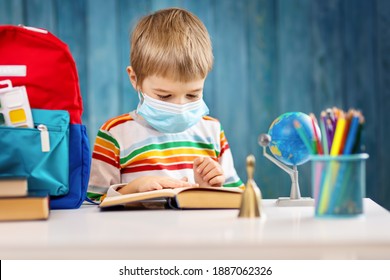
(151, 183)
(208, 172)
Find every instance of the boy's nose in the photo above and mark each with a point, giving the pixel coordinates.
(180, 100)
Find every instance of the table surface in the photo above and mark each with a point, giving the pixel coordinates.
(280, 233)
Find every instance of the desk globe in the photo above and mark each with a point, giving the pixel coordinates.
(286, 144)
(288, 148)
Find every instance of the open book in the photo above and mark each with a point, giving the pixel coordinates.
(183, 198)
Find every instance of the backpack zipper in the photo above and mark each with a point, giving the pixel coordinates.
(45, 139)
(39, 30)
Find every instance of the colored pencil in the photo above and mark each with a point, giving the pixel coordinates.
(357, 146)
(324, 120)
(339, 187)
(331, 117)
(350, 141)
(346, 129)
(338, 135)
(324, 137)
(327, 186)
(333, 166)
(317, 140)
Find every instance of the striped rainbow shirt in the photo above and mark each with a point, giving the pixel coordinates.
(126, 147)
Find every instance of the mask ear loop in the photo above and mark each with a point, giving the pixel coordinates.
(141, 100)
(140, 95)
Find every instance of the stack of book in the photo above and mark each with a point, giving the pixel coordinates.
(16, 203)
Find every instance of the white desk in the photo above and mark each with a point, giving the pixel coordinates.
(282, 233)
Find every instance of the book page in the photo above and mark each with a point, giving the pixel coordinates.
(127, 198)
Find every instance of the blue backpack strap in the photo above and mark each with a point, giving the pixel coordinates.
(79, 169)
(91, 201)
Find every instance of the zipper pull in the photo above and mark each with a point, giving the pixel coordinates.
(45, 139)
(39, 30)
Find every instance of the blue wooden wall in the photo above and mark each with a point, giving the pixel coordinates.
(271, 56)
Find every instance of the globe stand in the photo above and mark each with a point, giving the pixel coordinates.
(295, 198)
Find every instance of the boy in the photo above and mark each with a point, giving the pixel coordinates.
(168, 141)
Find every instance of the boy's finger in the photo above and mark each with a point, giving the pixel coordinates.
(217, 181)
(156, 186)
(203, 165)
(212, 174)
(173, 183)
(188, 184)
(208, 168)
(198, 161)
(182, 184)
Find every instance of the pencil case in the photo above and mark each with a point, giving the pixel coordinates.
(41, 153)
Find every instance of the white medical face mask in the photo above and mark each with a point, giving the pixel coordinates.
(169, 117)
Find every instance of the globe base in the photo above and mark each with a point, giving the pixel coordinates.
(288, 202)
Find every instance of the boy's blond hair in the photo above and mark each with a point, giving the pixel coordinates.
(171, 43)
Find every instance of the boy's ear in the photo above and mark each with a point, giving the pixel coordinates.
(132, 77)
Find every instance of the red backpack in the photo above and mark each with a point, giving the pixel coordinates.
(38, 60)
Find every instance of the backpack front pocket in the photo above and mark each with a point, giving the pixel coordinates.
(41, 153)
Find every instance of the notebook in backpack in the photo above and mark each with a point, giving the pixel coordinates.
(38, 60)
